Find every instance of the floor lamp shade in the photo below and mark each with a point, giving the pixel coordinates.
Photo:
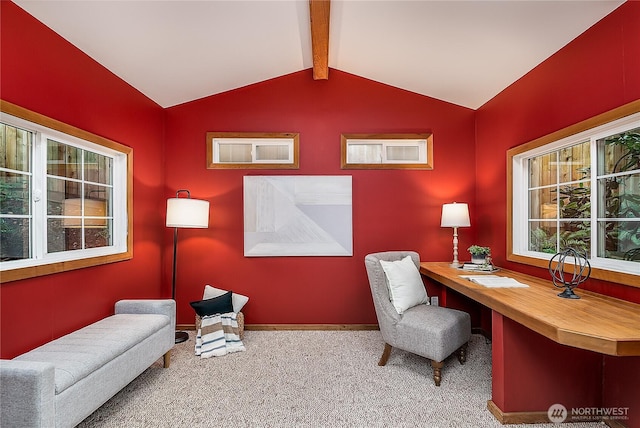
(187, 212)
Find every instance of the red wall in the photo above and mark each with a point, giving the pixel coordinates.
(391, 209)
(598, 71)
(44, 73)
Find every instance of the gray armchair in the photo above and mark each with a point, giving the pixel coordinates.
(433, 332)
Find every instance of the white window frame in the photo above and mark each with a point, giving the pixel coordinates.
(47, 129)
(518, 228)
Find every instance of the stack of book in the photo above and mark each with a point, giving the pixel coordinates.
(479, 268)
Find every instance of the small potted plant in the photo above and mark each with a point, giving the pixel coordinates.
(479, 254)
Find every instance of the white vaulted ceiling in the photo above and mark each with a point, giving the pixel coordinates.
(463, 52)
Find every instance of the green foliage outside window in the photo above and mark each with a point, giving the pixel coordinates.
(620, 198)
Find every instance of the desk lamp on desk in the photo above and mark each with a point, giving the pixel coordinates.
(455, 215)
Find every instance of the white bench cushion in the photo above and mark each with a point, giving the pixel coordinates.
(80, 353)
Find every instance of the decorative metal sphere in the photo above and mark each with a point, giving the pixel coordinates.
(579, 270)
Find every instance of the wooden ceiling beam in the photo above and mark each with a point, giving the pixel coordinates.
(319, 13)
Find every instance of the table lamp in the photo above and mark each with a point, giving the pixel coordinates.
(455, 215)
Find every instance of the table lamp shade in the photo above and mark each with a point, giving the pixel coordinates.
(187, 212)
(455, 215)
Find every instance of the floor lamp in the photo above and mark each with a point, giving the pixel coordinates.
(184, 213)
(455, 215)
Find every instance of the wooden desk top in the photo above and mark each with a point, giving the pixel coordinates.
(594, 322)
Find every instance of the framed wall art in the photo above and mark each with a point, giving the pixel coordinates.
(297, 216)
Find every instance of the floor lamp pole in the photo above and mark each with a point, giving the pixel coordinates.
(181, 336)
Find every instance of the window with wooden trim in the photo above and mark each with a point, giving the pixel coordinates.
(386, 151)
(580, 188)
(64, 196)
(247, 150)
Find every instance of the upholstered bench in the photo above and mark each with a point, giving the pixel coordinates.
(62, 382)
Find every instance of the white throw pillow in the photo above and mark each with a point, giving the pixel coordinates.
(237, 300)
(405, 284)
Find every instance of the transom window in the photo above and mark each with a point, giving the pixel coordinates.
(247, 150)
(62, 198)
(583, 192)
(386, 151)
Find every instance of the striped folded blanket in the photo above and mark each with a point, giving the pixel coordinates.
(218, 335)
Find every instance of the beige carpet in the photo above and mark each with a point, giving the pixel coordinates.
(307, 379)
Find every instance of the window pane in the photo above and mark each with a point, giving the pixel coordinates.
(98, 195)
(272, 152)
(14, 193)
(83, 204)
(576, 235)
(63, 160)
(97, 168)
(403, 153)
(573, 234)
(76, 209)
(97, 203)
(542, 203)
(14, 235)
(575, 201)
(543, 170)
(621, 240)
(364, 153)
(543, 237)
(574, 162)
(15, 146)
(58, 192)
(619, 196)
(98, 236)
(234, 153)
(619, 152)
(61, 238)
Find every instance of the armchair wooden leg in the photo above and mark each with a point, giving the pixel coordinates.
(437, 371)
(462, 353)
(385, 355)
(167, 359)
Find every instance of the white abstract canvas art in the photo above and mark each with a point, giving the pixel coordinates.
(297, 216)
